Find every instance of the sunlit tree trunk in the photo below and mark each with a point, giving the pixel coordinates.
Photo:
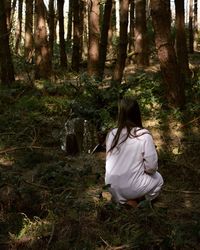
(19, 27)
(85, 30)
(28, 42)
(42, 57)
(63, 56)
(131, 31)
(51, 28)
(191, 30)
(8, 13)
(14, 3)
(141, 41)
(94, 34)
(76, 36)
(174, 83)
(6, 65)
(123, 40)
(196, 24)
(104, 36)
(181, 45)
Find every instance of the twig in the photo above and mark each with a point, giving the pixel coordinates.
(184, 125)
(51, 237)
(106, 243)
(120, 247)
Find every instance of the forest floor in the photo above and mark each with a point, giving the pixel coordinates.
(50, 200)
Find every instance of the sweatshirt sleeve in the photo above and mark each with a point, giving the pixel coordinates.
(150, 155)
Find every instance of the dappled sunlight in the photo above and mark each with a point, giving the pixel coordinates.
(5, 162)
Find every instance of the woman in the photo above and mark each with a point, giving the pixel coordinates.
(131, 159)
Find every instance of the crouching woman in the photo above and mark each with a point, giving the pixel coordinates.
(131, 158)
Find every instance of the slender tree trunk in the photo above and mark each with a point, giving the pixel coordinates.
(123, 40)
(42, 57)
(191, 30)
(104, 37)
(6, 65)
(14, 3)
(94, 31)
(76, 36)
(28, 43)
(112, 28)
(69, 24)
(8, 13)
(141, 41)
(160, 11)
(63, 56)
(51, 28)
(195, 24)
(181, 45)
(132, 28)
(85, 31)
(81, 27)
(19, 27)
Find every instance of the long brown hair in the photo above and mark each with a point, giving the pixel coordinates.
(129, 117)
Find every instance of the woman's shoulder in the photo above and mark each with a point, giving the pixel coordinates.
(143, 132)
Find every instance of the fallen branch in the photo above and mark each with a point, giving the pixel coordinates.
(8, 150)
(35, 185)
(181, 191)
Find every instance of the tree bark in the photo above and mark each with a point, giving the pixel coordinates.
(141, 41)
(51, 28)
(42, 56)
(94, 34)
(160, 12)
(191, 29)
(6, 65)
(104, 37)
(28, 43)
(69, 25)
(132, 27)
(19, 27)
(63, 56)
(123, 40)
(76, 36)
(181, 44)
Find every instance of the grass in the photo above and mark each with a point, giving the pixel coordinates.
(49, 200)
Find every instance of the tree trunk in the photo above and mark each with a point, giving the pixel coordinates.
(94, 31)
(123, 40)
(19, 27)
(7, 4)
(76, 36)
(85, 30)
(104, 37)
(42, 57)
(51, 28)
(69, 24)
(28, 43)
(81, 27)
(196, 24)
(160, 11)
(191, 31)
(132, 28)
(63, 56)
(181, 45)
(6, 65)
(141, 42)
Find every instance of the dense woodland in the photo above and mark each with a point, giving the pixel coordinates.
(63, 67)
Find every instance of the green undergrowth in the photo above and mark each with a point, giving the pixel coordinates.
(49, 200)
